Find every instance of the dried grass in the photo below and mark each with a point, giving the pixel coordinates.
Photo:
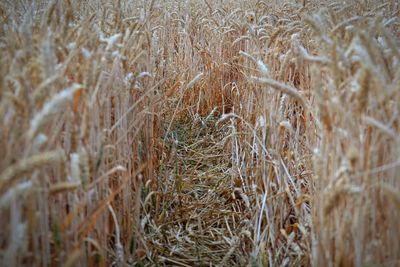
(199, 133)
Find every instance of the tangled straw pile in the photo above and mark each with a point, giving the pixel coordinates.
(200, 133)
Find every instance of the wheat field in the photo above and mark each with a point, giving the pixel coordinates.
(200, 133)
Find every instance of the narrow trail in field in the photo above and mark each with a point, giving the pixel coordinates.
(202, 219)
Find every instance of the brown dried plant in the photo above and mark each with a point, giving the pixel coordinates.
(199, 133)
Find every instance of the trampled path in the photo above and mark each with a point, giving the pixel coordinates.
(202, 218)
